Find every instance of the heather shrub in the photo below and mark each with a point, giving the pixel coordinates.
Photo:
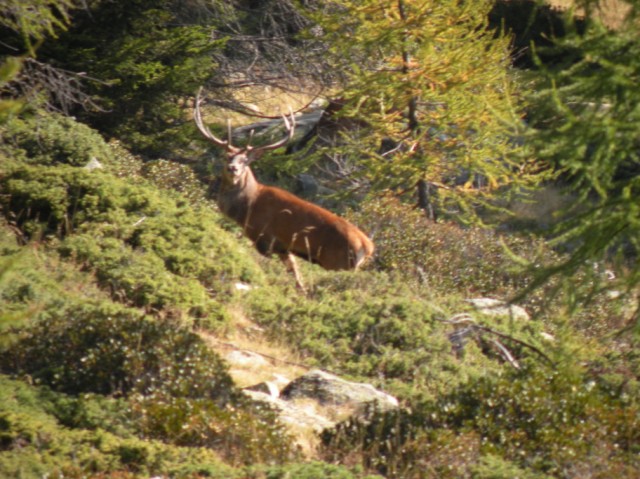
(108, 349)
(243, 434)
(49, 434)
(533, 423)
(51, 139)
(445, 256)
(149, 250)
(313, 470)
(177, 389)
(366, 325)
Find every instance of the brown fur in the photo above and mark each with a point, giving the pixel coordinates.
(280, 222)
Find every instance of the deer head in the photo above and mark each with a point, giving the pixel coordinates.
(236, 167)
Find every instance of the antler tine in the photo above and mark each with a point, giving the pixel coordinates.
(251, 133)
(229, 132)
(290, 125)
(197, 115)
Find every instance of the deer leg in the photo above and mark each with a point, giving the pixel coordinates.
(290, 262)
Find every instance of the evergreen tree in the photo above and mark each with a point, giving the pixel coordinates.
(146, 58)
(586, 123)
(23, 25)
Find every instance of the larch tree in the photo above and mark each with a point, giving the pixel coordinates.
(430, 86)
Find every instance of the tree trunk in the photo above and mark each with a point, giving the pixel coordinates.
(426, 192)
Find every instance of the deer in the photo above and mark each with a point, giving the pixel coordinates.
(276, 221)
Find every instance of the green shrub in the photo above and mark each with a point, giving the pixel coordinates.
(447, 259)
(111, 350)
(538, 422)
(368, 326)
(146, 249)
(554, 420)
(179, 390)
(50, 139)
(174, 176)
(48, 434)
(444, 256)
(241, 435)
(314, 470)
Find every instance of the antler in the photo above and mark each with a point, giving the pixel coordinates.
(197, 114)
(289, 124)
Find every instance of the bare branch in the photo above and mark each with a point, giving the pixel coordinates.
(64, 89)
(466, 325)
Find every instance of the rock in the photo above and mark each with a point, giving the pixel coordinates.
(266, 387)
(547, 337)
(302, 421)
(245, 358)
(307, 185)
(93, 164)
(242, 286)
(291, 414)
(497, 307)
(316, 401)
(328, 389)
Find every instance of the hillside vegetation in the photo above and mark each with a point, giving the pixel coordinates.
(117, 270)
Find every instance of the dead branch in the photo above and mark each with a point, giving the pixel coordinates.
(465, 325)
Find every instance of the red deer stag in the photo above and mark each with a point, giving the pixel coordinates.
(277, 221)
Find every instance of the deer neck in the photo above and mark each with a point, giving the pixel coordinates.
(235, 199)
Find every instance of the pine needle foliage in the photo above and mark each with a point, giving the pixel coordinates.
(432, 80)
(30, 21)
(587, 124)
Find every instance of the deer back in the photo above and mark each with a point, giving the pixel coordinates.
(280, 222)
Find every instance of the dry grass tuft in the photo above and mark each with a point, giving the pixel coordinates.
(259, 360)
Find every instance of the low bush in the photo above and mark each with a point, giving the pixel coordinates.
(48, 434)
(313, 470)
(534, 422)
(148, 248)
(178, 389)
(145, 249)
(50, 139)
(367, 325)
(242, 435)
(107, 349)
(444, 256)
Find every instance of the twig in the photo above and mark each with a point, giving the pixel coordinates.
(467, 320)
